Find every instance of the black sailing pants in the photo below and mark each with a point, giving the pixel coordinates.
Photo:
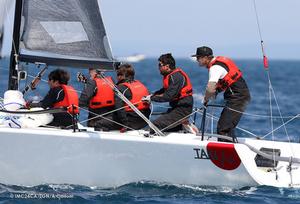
(229, 119)
(172, 119)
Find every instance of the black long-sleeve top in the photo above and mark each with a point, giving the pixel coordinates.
(90, 89)
(119, 103)
(123, 116)
(53, 96)
(176, 83)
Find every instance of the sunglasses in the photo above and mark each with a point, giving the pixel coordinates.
(161, 65)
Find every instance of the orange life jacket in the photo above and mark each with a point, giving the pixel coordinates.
(187, 90)
(105, 94)
(231, 77)
(71, 98)
(138, 91)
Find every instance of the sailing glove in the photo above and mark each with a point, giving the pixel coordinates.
(147, 98)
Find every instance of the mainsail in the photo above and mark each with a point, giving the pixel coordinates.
(65, 33)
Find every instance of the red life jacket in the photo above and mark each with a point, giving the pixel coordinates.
(231, 77)
(105, 94)
(138, 91)
(71, 98)
(187, 90)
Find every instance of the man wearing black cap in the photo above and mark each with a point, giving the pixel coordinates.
(225, 76)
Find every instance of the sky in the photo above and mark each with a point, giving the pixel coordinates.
(153, 27)
(229, 27)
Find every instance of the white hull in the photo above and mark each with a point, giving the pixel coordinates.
(109, 159)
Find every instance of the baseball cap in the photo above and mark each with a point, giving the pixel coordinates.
(203, 51)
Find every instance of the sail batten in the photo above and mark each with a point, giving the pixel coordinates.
(66, 33)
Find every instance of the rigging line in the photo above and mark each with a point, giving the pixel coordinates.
(108, 120)
(244, 130)
(271, 114)
(257, 21)
(237, 127)
(98, 115)
(284, 126)
(151, 110)
(137, 111)
(257, 115)
(212, 120)
(298, 115)
(265, 59)
(177, 122)
(206, 123)
(285, 129)
(43, 80)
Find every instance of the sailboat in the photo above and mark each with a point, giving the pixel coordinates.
(71, 33)
(132, 58)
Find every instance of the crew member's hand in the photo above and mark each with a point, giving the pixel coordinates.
(147, 98)
(27, 104)
(123, 129)
(81, 77)
(205, 102)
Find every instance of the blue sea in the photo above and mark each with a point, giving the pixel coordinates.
(279, 96)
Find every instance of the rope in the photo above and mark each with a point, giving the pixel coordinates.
(271, 90)
(179, 121)
(297, 116)
(102, 116)
(122, 125)
(237, 127)
(246, 113)
(260, 116)
(285, 129)
(43, 80)
(257, 21)
(121, 96)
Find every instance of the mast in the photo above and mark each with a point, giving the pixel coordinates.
(13, 72)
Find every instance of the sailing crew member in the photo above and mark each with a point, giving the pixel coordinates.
(224, 76)
(177, 90)
(98, 96)
(60, 95)
(134, 91)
